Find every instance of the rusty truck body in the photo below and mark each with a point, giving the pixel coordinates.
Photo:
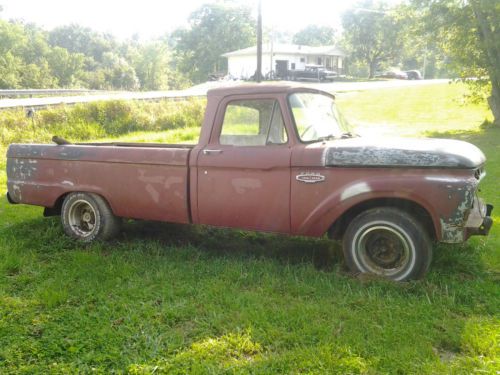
(276, 158)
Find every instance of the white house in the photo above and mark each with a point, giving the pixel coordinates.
(281, 58)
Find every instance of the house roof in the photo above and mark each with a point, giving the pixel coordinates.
(293, 49)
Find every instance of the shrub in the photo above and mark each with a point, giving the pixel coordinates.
(99, 119)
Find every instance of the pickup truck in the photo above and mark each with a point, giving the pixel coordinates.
(312, 73)
(275, 158)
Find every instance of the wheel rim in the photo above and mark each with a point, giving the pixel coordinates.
(384, 249)
(82, 218)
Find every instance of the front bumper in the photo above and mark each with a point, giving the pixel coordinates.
(479, 221)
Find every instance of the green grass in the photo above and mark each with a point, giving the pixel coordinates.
(413, 110)
(177, 299)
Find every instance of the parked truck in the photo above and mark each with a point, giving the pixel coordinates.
(312, 73)
(274, 158)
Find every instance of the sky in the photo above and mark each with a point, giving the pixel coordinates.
(150, 18)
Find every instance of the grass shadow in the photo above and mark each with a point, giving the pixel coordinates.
(45, 236)
(322, 253)
(479, 135)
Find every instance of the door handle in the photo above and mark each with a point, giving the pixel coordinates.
(212, 152)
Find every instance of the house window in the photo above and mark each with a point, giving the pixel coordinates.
(320, 61)
(293, 66)
(302, 59)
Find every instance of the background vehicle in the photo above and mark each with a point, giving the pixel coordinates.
(277, 158)
(313, 73)
(413, 74)
(395, 74)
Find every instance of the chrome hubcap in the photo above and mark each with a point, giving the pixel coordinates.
(82, 218)
(383, 250)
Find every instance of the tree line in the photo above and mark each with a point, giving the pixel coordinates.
(76, 56)
(454, 38)
(451, 38)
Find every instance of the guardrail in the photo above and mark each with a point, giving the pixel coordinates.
(32, 92)
(70, 100)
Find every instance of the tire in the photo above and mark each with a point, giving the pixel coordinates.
(87, 217)
(387, 242)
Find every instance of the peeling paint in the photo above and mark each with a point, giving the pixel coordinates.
(353, 190)
(452, 226)
(150, 179)
(16, 193)
(70, 153)
(451, 233)
(167, 182)
(172, 180)
(21, 169)
(153, 193)
(242, 185)
(423, 153)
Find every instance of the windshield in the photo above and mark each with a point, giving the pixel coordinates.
(317, 117)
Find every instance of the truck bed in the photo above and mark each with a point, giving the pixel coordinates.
(139, 180)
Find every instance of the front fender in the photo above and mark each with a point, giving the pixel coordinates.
(334, 205)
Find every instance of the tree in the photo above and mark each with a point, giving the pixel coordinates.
(375, 35)
(314, 35)
(79, 39)
(65, 66)
(152, 66)
(119, 73)
(469, 32)
(9, 71)
(37, 76)
(214, 29)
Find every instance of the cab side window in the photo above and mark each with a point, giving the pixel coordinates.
(255, 122)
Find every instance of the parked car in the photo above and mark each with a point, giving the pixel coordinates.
(394, 74)
(273, 158)
(413, 74)
(312, 72)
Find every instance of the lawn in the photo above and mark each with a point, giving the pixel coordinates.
(167, 298)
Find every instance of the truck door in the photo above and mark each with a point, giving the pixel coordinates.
(244, 172)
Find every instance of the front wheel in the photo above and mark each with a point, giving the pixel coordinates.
(87, 217)
(387, 242)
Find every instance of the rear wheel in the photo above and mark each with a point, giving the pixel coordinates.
(87, 217)
(387, 242)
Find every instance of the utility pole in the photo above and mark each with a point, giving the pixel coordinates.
(425, 62)
(258, 73)
(272, 73)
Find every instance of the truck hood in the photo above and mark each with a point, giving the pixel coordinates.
(402, 152)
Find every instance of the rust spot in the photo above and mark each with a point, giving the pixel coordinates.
(452, 226)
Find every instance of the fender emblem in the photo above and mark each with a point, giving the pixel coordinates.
(310, 177)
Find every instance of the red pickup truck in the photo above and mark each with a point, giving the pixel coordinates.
(277, 158)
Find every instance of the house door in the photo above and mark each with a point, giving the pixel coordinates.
(281, 68)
